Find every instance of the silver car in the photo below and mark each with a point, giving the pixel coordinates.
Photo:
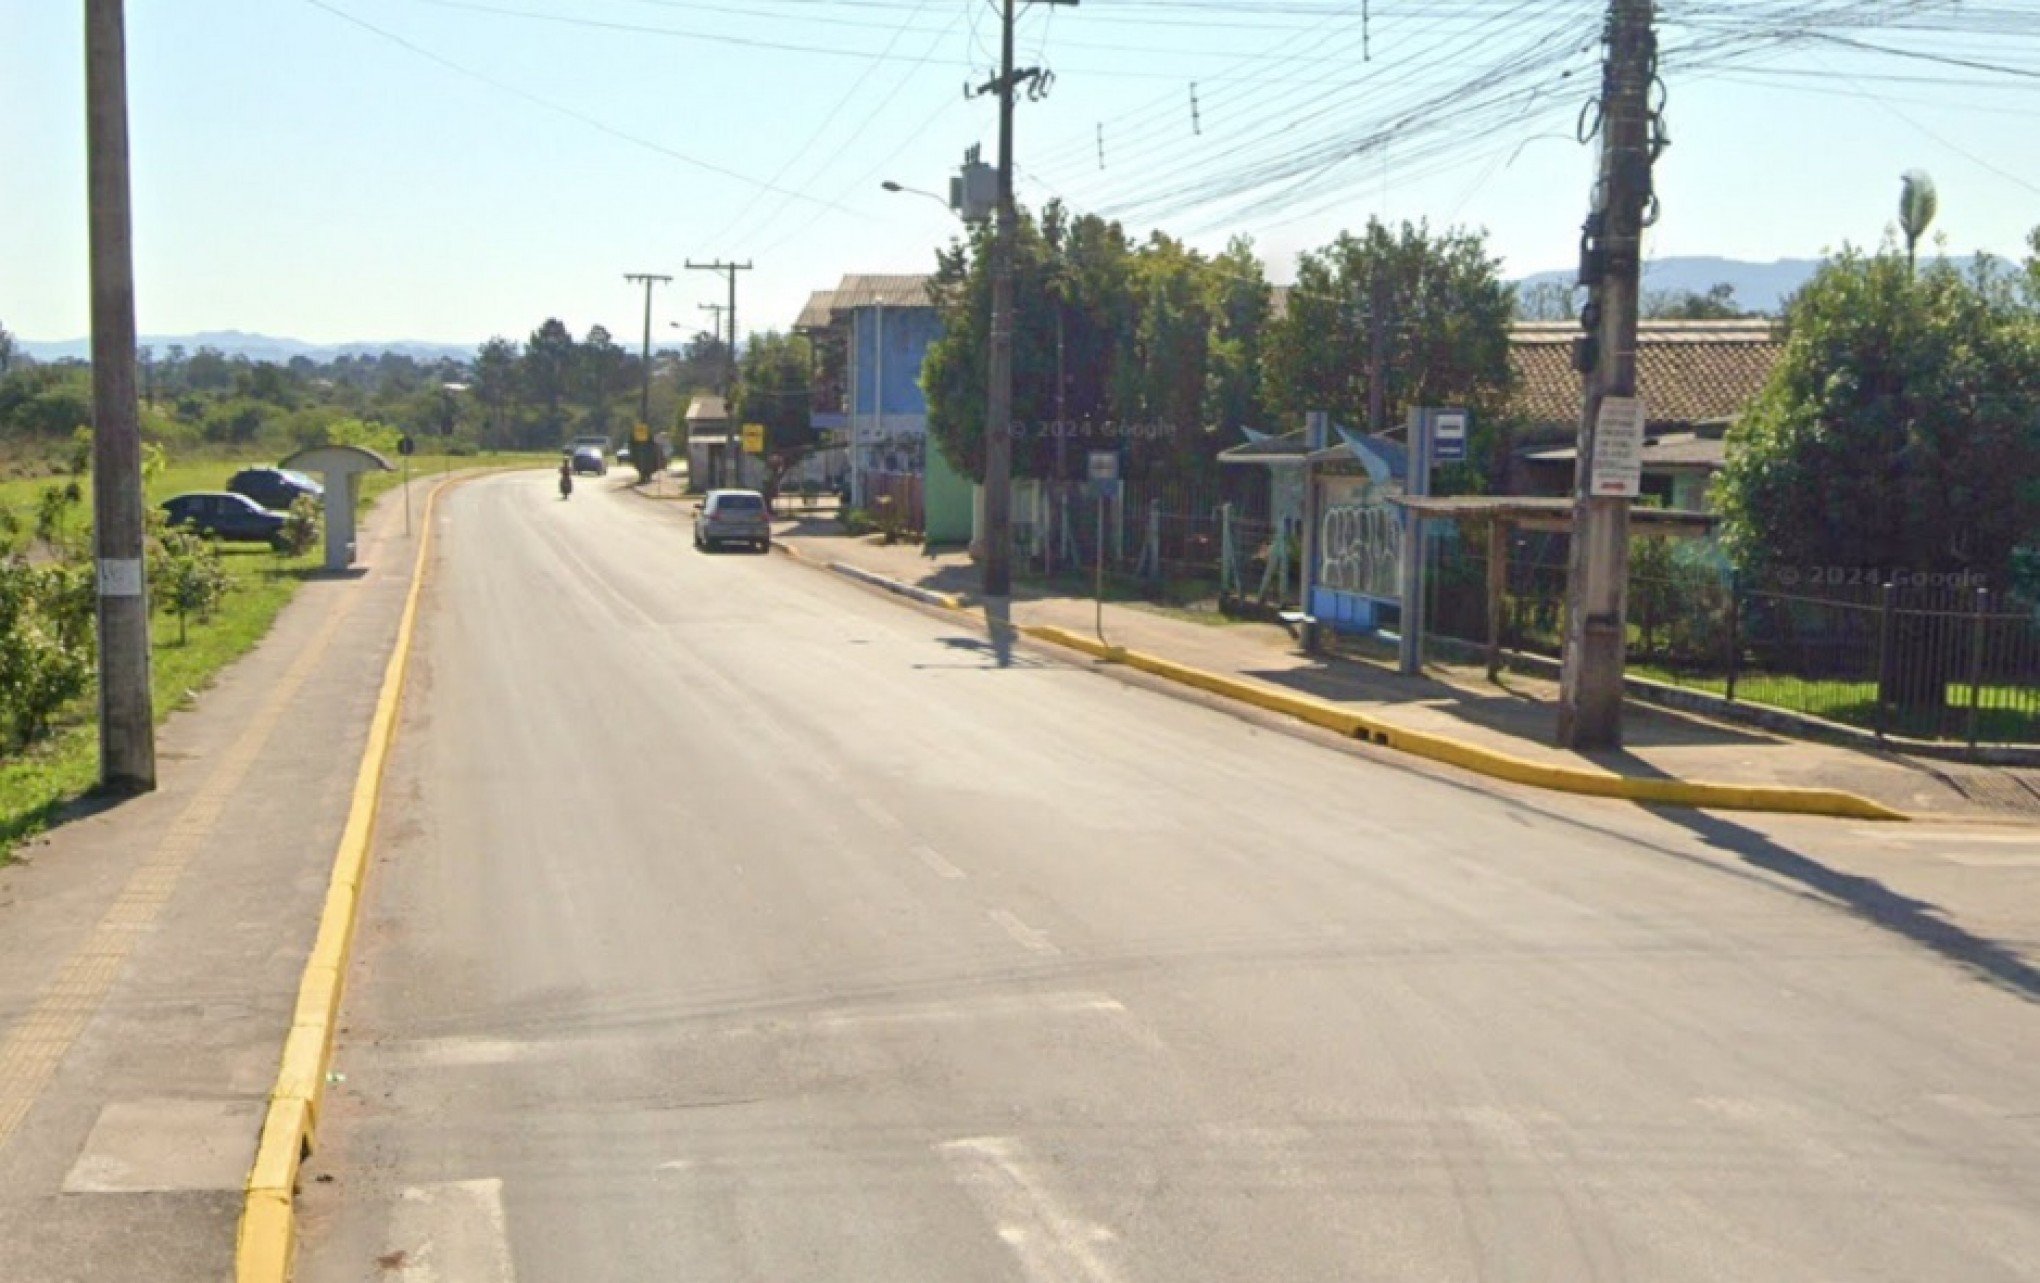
(732, 516)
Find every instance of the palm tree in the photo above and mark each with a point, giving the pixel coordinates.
(1917, 203)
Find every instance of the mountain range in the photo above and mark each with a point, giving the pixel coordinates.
(256, 347)
(1761, 287)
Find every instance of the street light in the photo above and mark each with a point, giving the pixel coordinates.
(892, 186)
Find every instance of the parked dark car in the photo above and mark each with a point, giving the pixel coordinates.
(274, 488)
(225, 515)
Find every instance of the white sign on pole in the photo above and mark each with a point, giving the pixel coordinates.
(1448, 436)
(1104, 465)
(1618, 449)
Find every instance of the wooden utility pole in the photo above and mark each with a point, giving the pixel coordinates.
(641, 438)
(1591, 682)
(127, 724)
(729, 270)
(645, 357)
(998, 532)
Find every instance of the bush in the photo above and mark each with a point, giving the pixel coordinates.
(891, 522)
(45, 644)
(189, 577)
(857, 521)
(300, 527)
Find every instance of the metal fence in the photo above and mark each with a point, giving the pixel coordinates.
(1186, 546)
(1948, 664)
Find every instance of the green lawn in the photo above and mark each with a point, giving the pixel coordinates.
(38, 783)
(2004, 715)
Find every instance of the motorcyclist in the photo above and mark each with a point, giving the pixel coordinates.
(566, 479)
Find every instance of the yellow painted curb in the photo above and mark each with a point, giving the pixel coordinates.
(1487, 761)
(267, 1240)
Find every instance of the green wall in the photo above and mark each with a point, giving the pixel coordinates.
(946, 496)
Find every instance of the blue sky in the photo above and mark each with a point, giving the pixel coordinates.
(299, 175)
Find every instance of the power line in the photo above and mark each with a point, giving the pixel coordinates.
(562, 109)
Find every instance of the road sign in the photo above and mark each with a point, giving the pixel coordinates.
(754, 438)
(640, 432)
(1103, 465)
(406, 446)
(1618, 449)
(1448, 436)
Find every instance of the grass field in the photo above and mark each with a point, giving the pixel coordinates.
(36, 785)
(2004, 714)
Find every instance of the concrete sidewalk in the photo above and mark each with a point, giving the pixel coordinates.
(150, 952)
(1516, 715)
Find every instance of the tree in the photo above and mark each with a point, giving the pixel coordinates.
(773, 388)
(1717, 304)
(208, 370)
(1547, 301)
(495, 386)
(1900, 434)
(1446, 318)
(1241, 304)
(953, 373)
(8, 352)
(599, 370)
(1159, 344)
(547, 372)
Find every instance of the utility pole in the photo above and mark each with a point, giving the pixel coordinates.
(718, 309)
(1591, 682)
(646, 462)
(998, 563)
(127, 724)
(729, 270)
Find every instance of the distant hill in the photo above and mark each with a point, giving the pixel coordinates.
(1759, 286)
(256, 347)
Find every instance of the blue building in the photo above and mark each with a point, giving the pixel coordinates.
(883, 326)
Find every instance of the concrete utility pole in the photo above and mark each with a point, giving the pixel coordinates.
(1590, 693)
(127, 724)
(998, 563)
(730, 271)
(645, 400)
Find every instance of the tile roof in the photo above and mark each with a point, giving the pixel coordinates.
(816, 314)
(707, 408)
(1688, 371)
(881, 291)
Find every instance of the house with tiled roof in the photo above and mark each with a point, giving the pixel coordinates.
(1695, 377)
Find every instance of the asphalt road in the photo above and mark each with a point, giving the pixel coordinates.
(731, 922)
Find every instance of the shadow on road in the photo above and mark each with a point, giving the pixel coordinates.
(1914, 920)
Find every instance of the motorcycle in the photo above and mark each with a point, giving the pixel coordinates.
(566, 484)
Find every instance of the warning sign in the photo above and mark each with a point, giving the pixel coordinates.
(1618, 449)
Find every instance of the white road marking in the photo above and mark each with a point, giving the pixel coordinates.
(1967, 1105)
(1019, 1004)
(1978, 860)
(940, 867)
(463, 1053)
(1023, 935)
(1053, 1244)
(1777, 1121)
(450, 1233)
(1911, 835)
(875, 813)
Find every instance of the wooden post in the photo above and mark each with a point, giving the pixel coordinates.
(1497, 591)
